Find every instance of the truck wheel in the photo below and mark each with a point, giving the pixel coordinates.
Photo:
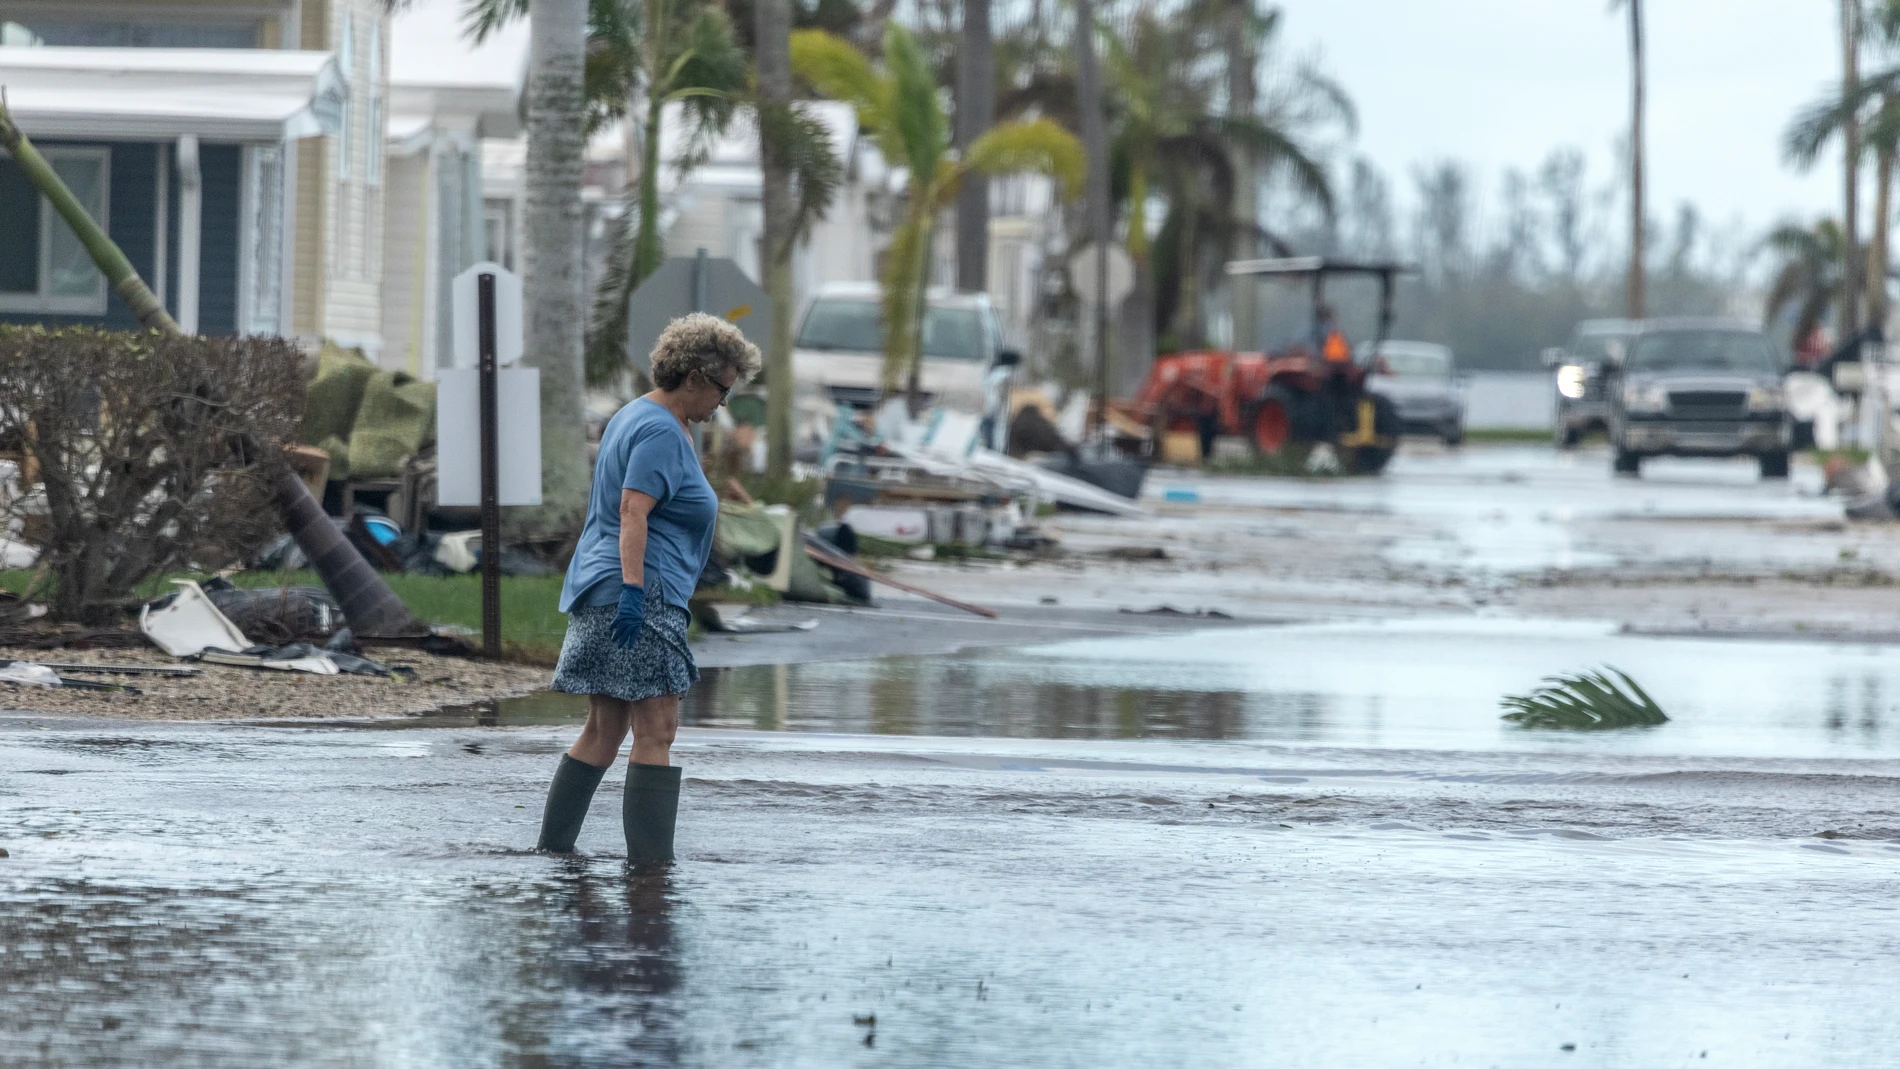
(1566, 436)
(1454, 434)
(1774, 465)
(1626, 462)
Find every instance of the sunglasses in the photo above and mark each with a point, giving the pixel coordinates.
(724, 391)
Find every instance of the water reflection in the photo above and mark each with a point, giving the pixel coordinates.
(967, 696)
(1418, 683)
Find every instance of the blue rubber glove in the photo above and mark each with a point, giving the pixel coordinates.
(632, 613)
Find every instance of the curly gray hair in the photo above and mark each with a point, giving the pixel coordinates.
(703, 343)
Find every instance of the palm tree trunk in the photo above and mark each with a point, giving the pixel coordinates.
(976, 113)
(772, 30)
(1243, 298)
(1187, 317)
(1088, 87)
(368, 603)
(646, 248)
(1850, 135)
(1878, 242)
(1637, 298)
(553, 270)
(647, 252)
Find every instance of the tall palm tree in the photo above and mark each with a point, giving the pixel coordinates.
(1168, 134)
(554, 286)
(1811, 278)
(656, 53)
(799, 175)
(1636, 297)
(1872, 109)
(899, 105)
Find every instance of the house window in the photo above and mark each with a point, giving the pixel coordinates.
(43, 267)
(266, 181)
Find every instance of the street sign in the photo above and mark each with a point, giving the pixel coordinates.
(1121, 275)
(465, 340)
(458, 470)
(695, 284)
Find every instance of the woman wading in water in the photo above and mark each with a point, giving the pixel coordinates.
(649, 530)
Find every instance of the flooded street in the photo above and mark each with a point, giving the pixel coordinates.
(1229, 844)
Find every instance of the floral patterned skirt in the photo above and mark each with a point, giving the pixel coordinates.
(659, 663)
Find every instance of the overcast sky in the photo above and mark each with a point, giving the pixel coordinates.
(1499, 83)
(1495, 83)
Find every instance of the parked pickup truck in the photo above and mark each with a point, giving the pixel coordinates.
(1697, 387)
(838, 356)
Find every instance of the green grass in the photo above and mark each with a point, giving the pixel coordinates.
(531, 622)
(1506, 434)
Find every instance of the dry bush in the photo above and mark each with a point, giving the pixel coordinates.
(154, 453)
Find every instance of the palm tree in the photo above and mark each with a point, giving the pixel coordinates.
(554, 286)
(659, 52)
(1635, 300)
(900, 107)
(799, 175)
(1168, 133)
(1810, 279)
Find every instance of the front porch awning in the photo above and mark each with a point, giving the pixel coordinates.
(152, 94)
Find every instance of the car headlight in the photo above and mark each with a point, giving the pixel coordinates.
(1570, 381)
(1645, 398)
(1766, 399)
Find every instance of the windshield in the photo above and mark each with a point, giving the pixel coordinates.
(857, 326)
(1701, 350)
(1592, 348)
(1417, 364)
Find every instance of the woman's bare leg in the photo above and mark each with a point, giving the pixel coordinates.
(655, 722)
(607, 722)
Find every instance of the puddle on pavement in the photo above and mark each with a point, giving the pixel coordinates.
(1414, 684)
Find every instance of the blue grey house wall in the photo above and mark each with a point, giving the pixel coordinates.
(132, 223)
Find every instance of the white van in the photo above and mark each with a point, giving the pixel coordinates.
(838, 356)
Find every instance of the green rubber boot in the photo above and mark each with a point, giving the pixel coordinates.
(649, 809)
(568, 798)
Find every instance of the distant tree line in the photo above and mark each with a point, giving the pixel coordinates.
(1504, 275)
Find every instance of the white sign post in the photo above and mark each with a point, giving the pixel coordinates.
(478, 449)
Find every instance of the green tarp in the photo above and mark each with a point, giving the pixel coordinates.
(396, 419)
(331, 403)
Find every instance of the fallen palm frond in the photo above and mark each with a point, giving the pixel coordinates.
(1587, 701)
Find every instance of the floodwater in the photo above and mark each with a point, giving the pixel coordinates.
(1274, 847)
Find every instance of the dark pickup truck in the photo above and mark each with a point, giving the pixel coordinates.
(1697, 387)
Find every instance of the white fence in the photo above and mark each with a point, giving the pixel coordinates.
(1510, 400)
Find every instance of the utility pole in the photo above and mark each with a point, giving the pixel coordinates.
(976, 113)
(1850, 135)
(1095, 201)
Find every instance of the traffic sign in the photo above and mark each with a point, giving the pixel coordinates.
(695, 284)
(465, 345)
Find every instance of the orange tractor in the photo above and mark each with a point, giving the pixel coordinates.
(1309, 393)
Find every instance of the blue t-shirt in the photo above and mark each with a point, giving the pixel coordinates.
(644, 449)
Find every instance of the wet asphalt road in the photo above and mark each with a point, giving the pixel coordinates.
(1298, 845)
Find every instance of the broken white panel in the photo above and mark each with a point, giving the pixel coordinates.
(190, 623)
